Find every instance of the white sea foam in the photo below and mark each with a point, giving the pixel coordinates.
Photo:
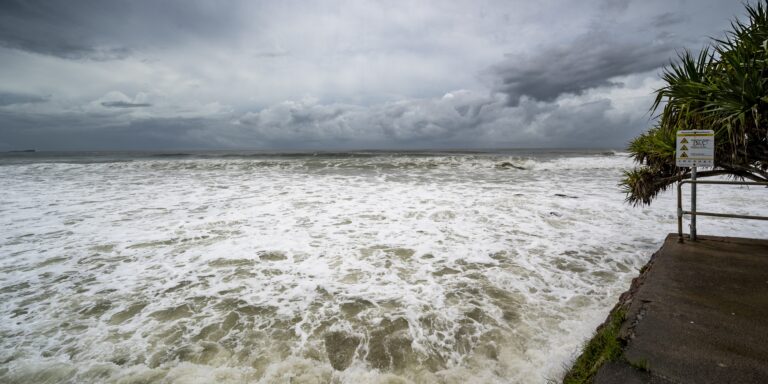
(451, 268)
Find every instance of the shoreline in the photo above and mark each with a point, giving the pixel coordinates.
(694, 314)
(595, 352)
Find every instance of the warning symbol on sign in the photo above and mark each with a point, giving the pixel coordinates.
(695, 147)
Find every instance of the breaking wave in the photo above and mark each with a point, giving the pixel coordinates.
(443, 268)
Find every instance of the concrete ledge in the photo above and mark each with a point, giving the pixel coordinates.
(699, 314)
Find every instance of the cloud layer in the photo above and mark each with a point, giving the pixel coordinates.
(200, 74)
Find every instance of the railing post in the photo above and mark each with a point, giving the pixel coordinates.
(693, 213)
(679, 211)
(693, 203)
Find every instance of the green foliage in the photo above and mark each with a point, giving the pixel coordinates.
(725, 88)
(605, 346)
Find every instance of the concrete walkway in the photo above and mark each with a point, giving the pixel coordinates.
(700, 316)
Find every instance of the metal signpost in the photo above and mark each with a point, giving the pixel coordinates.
(694, 148)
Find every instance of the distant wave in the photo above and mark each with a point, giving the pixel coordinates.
(172, 155)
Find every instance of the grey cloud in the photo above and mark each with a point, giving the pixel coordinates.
(124, 104)
(10, 98)
(271, 54)
(436, 120)
(64, 49)
(377, 69)
(77, 132)
(625, 37)
(614, 5)
(460, 119)
(53, 28)
(589, 62)
(586, 124)
(99, 30)
(667, 19)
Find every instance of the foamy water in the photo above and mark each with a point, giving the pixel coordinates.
(381, 268)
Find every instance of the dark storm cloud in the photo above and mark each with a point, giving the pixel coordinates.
(457, 120)
(589, 62)
(667, 19)
(77, 132)
(204, 74)
(124, 104)
(614, 5)
(444, 119)
(63, 29)
(10, 98)
(618, 43)
(108, 30)
(586, 124)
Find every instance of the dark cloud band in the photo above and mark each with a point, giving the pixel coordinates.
(590, 61)
(124, 104)
(10, 98)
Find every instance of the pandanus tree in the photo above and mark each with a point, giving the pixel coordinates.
(724, 88)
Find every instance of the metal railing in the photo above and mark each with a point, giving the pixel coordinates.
(694, 213)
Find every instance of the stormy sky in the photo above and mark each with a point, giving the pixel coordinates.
(195, 74)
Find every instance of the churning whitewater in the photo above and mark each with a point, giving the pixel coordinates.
(343, 268)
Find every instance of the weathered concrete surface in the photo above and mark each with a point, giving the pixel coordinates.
(618, 372)
(700, 315)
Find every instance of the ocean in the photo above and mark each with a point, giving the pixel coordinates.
(364, 267)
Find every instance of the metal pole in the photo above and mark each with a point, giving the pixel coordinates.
(679, 212)
(715, 214)
(693, 203)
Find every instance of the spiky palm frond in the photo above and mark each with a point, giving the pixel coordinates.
(724, 87)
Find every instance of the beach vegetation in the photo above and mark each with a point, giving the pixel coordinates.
(605, 346)
(724, 88)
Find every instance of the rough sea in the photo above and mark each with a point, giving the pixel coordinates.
(367, 267)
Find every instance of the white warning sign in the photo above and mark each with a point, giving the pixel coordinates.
(695, 147)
